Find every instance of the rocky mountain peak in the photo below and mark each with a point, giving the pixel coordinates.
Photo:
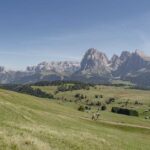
(91, 51)
(132, 62)
(2, 69)
(125, 55)
(115, 62)
(95, 62)
(142, 55)
(139, 53)
(93, 58)
(114, 58)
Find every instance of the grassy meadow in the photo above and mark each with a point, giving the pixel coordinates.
(32, 123)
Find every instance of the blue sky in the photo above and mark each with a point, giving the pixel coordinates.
(32, 31)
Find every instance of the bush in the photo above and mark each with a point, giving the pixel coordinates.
(87, 108)
(80, 96)
(96, 96)
(81, 108)
(110, 100)
(103, 107)
(91, 103)
(101, 96)
(125, 111)
(98, 103)
(136, 103)
(77, 95)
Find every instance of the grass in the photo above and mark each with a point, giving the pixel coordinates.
(121, 94)
(31, 123)
(107, 91)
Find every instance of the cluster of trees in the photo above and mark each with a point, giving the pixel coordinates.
(58, 82)
(64, 85)
(27, 89)
(125, 111)
(80, 96)
(35, 92)
(138, 103)
(71, 87)
(99, 96)
(42, 83)
(83, 108)
(93, 103)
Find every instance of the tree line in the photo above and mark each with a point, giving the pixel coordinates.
(27, 89)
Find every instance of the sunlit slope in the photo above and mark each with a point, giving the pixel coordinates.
(28, 122)
(120, 93)
(121, 96)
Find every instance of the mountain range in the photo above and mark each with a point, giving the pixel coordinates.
(94, 67)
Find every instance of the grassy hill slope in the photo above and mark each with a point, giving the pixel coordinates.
(31, 123)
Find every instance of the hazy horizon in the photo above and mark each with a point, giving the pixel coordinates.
(52, 30)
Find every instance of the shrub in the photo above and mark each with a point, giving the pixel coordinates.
(96, 96)
(110, 100)
(103, 107)
(136, 103)
(87, 101)
(98, 103)
(81, 108)
(87, 108)
(82, 96)
(125, 111)
(101, 96)
(91, 104)
(77, 95)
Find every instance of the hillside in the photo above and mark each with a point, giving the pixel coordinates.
(32, 123)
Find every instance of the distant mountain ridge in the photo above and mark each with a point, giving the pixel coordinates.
(94, 67)
(60, 66)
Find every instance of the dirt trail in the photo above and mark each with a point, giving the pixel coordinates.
(124, 124)
(119, 123)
